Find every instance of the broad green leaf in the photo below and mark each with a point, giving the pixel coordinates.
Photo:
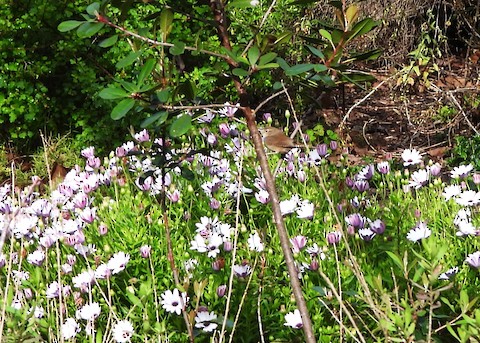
(268, 66)
(158, 118)
(181, 125)
(267, 58)
(111, 93)
(283, 38)
(277, 85)
(239, 72)
(362, 27)
(316, 52)
(93, 8)
(325, 34)
(395, 259)
(166, 20)
(187, 174)
(365, 56)
(163, 95)
(108, 41)
(146, 70)
(319, 68)
(122, 109)
(187, 89)
(253, 55)
(87, 29)
(69, 25)
(282, 63)
(178, 48)
(299, 69)
(134, 299)
(240, 3)
(130, 87)
(129, 59)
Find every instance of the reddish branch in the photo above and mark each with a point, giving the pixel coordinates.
(220, 18)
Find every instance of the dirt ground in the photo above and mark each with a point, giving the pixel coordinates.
(394, 116)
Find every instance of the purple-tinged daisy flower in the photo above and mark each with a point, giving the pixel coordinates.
(254, 242)
(118, 262)
(294, 319)
(229, 110)
(53, 290)
(89, 311)
(102, 271)
(419, 178)
(206, 321)
(451, 191)
(174, 196)
(84, 280)
(468, 198)
(298, 243)
(122, 331)
(461, 171)
(474, 259)
(242, 270)
(366, 234)
(466, 228)
(145, 251)
(305, 210)
(174, 302)
(142, 136)
(221, 290)
(419, 232)
(377, 226)
(289, 206)
(262, 196)
(70, 328)
(448, 274)
(356, 220)
(334, 237)
(36, 258)
(361, 185)
(411, 157)
(383, 167)
(435, 169)
(366, 173)
(88, 152)
(207, 117)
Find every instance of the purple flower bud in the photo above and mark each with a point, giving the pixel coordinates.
(418, 213)
(350, 230)
(94, 162)
(212, 139)
(356, 220)
(71, 259)
(476, 178)
(306, 138)
(120, 152)
(102, 229)
(301, 176)
(435, 169)
(361, 185)
(221, 290)
(377, 227)
(333, 145)
(322, 150)
(214, 204)
(298, 243)
(218, 264)
(145, 251)
(340, 208)
(224, 129)
(383, 167)
(334, 237)
(314, 265)
(349, 182)
(174, 196)
(227, 246)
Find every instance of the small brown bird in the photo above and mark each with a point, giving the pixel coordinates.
(276, 140)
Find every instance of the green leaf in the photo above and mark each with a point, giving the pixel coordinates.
(69, 25)
(240, 3)
(111, 93)
(134, 299)
(268, 66)
(239, 72)
(395, 259)
(253, 55)
(108, 41)
(267, 58)
(299, 69)
(87, 29)
(93, 8)
(181, 125)
(187, 174)
(187, 89)
(163, 95)
(158, 118)
(362, 27)
(325, 34)
(146, 70)
(178, 48)
(166, 20)
(320, 68)
(129, 59)
(316, 52)
(122, 109)
(282, 63)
